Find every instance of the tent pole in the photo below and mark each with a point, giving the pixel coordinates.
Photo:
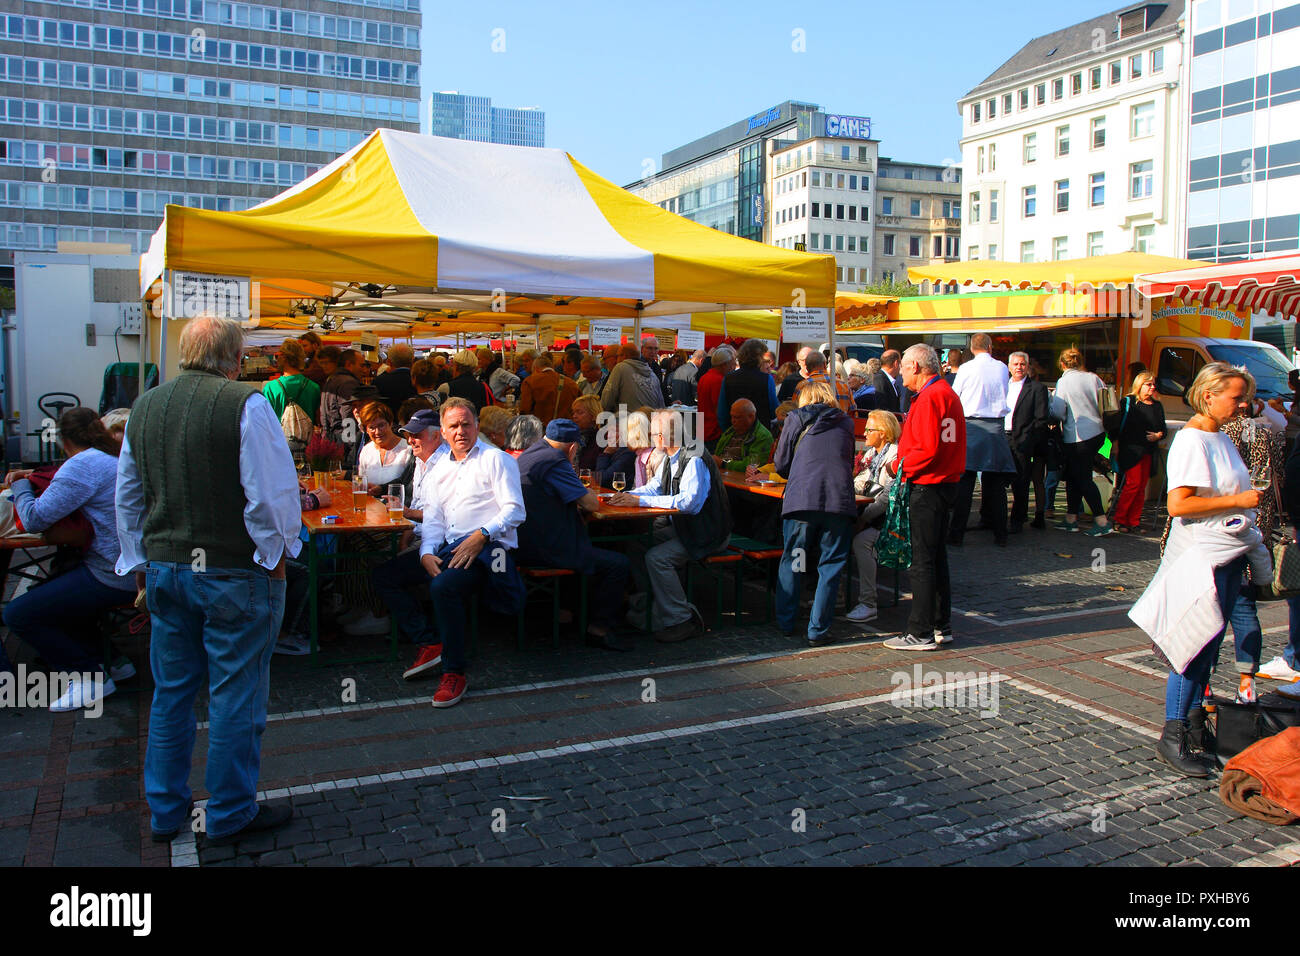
(162, 326)
(724, 320)
(144, 331)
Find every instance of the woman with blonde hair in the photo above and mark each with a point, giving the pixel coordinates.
(637, 437)
(1079, 390)
(872, 479)
(1142, 426)
(1212, 506)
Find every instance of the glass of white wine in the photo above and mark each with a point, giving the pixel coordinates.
(619, 481)
(1260, 476)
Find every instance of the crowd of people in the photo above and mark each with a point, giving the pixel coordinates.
(500, 464)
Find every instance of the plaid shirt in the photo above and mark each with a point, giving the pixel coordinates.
(843, 394)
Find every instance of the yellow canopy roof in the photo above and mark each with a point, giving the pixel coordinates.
(454, 224)
(1097, 272)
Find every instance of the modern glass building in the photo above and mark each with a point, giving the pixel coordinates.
(1243, 153)
(461, 116)
(110, 109)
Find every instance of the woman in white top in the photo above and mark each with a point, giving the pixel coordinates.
(387, 458)
(874, 479)
(1207, 478)
(1083, 437)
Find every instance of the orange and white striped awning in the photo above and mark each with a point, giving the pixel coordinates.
(1269, 285)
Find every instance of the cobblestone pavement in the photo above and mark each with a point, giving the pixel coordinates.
(734, 747)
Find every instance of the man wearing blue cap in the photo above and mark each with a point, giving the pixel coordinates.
(554, 534)
(394, 579)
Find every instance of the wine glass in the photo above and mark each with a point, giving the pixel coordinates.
(619, 481)
(1260, 476)
(585, 477)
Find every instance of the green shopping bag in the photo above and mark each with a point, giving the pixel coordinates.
(894, 544)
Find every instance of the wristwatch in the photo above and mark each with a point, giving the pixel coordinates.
(484, 532)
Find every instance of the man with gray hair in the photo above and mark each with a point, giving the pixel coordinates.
(1026, 428)
(199, 451)
(932, 451)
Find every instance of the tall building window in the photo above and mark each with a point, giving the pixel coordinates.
(1143, 237)
(1062, 195)
(1024, 104)
(1060, 248)
(889, 245)
(993, 157)
(1094, 244)
(1116, 71)
(993, 250)
(914, 247)
(1029, 200)
(1076, 84)
(862, 156)
(1040, 94)
(816, 178)
(992, 107)
(914, 208)
(1158, 59)
(1062, 141)
(1094, 78)
(1097, 189)
(979, 162)
(1140, 176)
(974, 112)
(973, 254)
(938, 247)
(1098, 124)
(886, 205)
(993, 205)
(1006, 103)
(1030, 148)
(1027, 251)
(1143, 120)
(1058, 88)
(1135, 67)
(974, 207)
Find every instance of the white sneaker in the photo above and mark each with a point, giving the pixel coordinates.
(293, 645)
(82, 694)
(861, 614)
(1278, 669)
(352, 616)
(367, 626)
(121, 668)
(1290, 690)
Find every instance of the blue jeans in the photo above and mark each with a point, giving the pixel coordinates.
(1289, 652)
(219, 624)
(392, 581)
(1183, 690)
(833, 534)
(57, 618)
(1247, 635)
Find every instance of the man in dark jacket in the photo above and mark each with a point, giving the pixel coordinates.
(888, 383)
(815, 455)
(691, 484)
(336, 401)
(555, 536)
(751, 382)
(464, 384)
(1028, 422)
(395, 385)
(650, 355)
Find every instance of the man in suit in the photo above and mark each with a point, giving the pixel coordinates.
(1026, 427)
(888, 383)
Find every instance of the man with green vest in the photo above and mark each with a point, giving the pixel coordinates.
(207, 514)
(746, 442)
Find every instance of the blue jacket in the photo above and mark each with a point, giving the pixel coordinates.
(815, 455)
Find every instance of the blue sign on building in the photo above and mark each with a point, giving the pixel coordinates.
(762, 119)
(758, 209)
(848, 127)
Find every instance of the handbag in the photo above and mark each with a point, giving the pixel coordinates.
(894, 543)
(1286, 561)
(1237, 726)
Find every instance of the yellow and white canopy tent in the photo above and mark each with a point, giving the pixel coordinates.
(433, 226)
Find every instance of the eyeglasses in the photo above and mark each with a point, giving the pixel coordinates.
(875, 429)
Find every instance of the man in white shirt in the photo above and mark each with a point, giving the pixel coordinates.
(981, 385)
(692, 485)
(198, 450)
(473, 504)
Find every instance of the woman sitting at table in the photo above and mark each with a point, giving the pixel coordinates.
(57, 617)
(871, 478)
(386, 459)
(638, 440)
(614, 458)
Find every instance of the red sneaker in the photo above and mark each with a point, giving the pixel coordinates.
(430, 657)
(450, 691)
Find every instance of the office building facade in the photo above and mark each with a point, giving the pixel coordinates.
(1243, 144)
(111, 109)
(918, 217)
(461, 116)
(1072, 147)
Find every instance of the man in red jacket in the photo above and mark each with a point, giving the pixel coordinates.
(932, 452)
(706, 400)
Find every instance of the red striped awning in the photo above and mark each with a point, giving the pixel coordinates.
(1269, 285)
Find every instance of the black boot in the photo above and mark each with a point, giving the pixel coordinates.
(1200, 738)
(1172, 749)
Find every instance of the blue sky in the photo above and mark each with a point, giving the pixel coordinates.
(624, 82)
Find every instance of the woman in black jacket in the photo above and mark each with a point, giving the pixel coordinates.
(1142, 427)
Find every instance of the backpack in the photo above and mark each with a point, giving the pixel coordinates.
(295, 422)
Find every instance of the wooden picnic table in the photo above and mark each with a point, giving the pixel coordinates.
(25, 543)
(608, 512)
(373, 519)
(734, 479)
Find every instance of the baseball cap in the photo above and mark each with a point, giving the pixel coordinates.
(424, 419)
